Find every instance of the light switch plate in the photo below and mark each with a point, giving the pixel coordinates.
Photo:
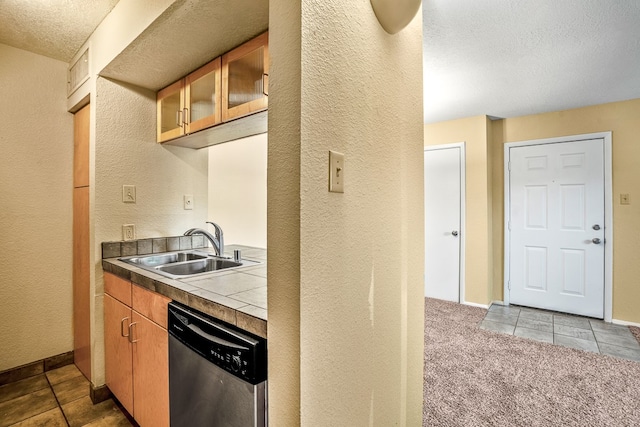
(336, 172)
(128, 232)
(624, 199)
(129, 193)
(188, 202)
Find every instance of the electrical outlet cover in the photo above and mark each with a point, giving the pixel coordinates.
(129, 193)
(188, 202)
(128, 232)
(336, 172)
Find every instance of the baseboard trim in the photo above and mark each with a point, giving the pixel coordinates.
(35, 368)
(475, 304)
(99, 394)
(625, 323)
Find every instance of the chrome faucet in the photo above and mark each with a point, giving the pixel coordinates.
(217, 241)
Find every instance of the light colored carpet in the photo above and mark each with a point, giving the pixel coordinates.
(475, 377)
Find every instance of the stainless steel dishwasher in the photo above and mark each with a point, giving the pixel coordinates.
(217, 373)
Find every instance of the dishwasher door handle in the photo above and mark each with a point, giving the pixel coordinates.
(214, 339)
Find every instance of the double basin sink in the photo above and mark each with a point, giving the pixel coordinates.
(177, 265)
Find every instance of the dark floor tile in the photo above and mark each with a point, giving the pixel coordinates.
(23, 407)
(63, 374)
(23, 387)
(71, 390)
(111, 420)
(58, 361)
(82, 411)
(21, 372)
(51, 418)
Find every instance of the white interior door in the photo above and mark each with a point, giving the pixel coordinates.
(556, 226)
(443, 171)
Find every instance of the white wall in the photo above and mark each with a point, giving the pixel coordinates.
(36, 181)
(238, 190)
(345, 271)
(126, 153)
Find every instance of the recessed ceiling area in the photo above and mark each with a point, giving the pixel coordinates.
(53, 28)
(187, 35)
(519, 57)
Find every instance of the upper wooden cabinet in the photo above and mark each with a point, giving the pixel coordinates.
(190, 104)
(170, 104)
(229, 87)
(245, 78)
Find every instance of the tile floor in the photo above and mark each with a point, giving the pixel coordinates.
(59, 397)
(567, 330)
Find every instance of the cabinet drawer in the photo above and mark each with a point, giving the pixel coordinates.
(118, 288)
(151, 305)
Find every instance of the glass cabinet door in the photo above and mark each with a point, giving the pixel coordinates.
(170, 114)
(203, 97)
(245, 78)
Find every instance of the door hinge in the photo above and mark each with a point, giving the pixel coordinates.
(509, 284)
(509, 225)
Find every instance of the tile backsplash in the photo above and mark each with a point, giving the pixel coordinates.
(152, 246)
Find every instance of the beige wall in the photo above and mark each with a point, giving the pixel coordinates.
(126, 153)
(238, 190)
(36, 180)
(474, 132)
(345, 270)
(621, 118)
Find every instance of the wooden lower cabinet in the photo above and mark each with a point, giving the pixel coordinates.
(117, 354)
(137, 351)
(151, 372)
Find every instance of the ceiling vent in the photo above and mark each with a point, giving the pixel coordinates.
(78, 72)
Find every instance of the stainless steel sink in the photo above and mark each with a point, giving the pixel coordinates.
(197, 267)
(162, 259)
(177, 265)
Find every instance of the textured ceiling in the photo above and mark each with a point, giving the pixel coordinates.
(500, 58)
(519, 57)
(187, 35)
(53, 28)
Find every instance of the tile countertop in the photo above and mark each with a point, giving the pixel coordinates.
(237, 296)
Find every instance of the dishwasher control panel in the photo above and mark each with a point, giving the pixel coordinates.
(234, 350)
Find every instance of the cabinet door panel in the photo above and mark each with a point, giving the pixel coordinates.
(151, 305)
(118, 288)
(203, 97)
(151, 372)
(170, 115)
(245, 78)
(118, 353)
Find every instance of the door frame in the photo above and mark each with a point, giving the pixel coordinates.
(463, 203)
(608, 211)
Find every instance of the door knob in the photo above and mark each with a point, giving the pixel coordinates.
(596, 240)
(454, 232)
(596, 227)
